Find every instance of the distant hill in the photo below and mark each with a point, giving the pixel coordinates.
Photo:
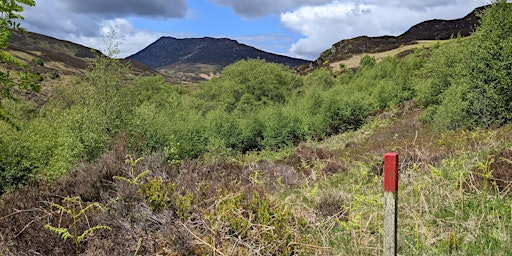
(57, 56)
(428, 30)
(194, 58)
(55, 60)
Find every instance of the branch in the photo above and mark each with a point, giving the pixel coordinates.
(202, 241)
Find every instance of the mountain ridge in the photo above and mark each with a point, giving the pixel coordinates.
(435, 29)
(197, 58)
(170, 51)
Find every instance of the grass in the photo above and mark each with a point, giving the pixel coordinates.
(443, 209)
(353, 62)
(196, 71)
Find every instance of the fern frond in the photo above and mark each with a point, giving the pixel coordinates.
(62, 232)
(97, 227)
(142, 174)
(122, 178)
(506, 160)
(82, 211)
(72, 200)
(61, 208)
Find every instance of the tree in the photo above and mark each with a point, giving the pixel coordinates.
(107, 77)
(481, 95)
(9, 14)
(489, 73)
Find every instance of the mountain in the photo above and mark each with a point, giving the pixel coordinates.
(57, 56)
(55, 61)
(194, 58)
(428, 30)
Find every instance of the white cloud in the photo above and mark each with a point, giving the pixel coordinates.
(62, 19)
(130, 39)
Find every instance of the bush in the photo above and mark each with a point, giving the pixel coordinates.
(248, 85)
(485, 82)
(280, 129)
(441, 71)
(341, 114)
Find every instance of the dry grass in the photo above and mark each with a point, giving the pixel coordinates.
(353, 62)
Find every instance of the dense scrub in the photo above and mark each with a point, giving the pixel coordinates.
(262, 161)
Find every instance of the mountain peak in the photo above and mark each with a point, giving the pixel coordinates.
(175, 55)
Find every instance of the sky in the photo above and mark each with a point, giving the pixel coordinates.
(296, 28)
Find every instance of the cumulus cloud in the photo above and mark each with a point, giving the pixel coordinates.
(323, 25)
(85, 22)
(120, 30)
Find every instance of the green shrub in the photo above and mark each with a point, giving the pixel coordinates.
(441, 71)
(485, 82)
(248, 85)
(159, 194)
(367, 61)
(341, 114)
(280, 129)
(37, 62)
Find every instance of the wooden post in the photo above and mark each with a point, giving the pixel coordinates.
(390, 203)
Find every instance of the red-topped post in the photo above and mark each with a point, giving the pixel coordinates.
(390, 203)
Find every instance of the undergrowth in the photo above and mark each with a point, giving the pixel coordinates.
(314, 199)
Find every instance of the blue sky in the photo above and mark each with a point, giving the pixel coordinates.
(297, 28)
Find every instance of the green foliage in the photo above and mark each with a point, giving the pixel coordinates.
(172, 151)
(484, 82)
(37, 62)
(223, 128)
(162, 194)
(258, 222)
(367, 61)
(72, 207)
(441, 71)
(248, 85)
(106, 79)
(280, 128)
(341, 114)
(322, 79)
(9, 16)
(184, 205)
(489, 71)
(159, 194)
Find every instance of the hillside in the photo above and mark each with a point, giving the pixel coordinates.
(195, 58)
(56, 61)
(57, 57)
(431, 30)
(265, 161)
